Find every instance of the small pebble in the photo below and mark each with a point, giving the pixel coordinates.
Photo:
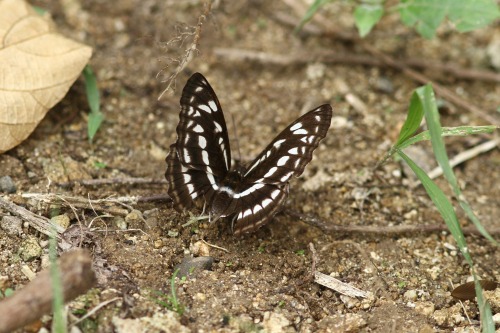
(7, 185)
(12, 225)
(187, 264)
(30, 249)
(158, 243)
(62, 220)
(119, 223)
(199, 249)
(133, 216)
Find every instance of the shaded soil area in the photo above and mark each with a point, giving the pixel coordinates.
(252, 283)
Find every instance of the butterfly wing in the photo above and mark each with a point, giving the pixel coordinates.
(289, 153)
(184, 184)
(265, 183)
(202, 139)
(201, 156)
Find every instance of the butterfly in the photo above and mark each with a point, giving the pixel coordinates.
(199, 162)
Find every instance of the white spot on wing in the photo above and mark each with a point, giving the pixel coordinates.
(311, 139)
(296, 126)
(275, 194)
(211, 179)
(249, 190)
(318, 118)
(190, 123)
(190, 111)
(266, 202)
(304, 139)
(282, 161)
(297, 163)
(316, 129)
(300, 131)
(293, 151)
(217, 126)
(186, 139)
(278, 143)
(221, 140)
(187, 158)
(213, 106)
(247, 212)
(286, 177)
(257, 208)
(270, 172)
(191, 99)
(198, 129)
(205, 108)
(204, 155)
(198, 89)
(202, 142)
(190, 188)
(187, 178)
(227, 190)
(303, 149)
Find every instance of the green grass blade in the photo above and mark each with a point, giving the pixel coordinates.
(428, 99)
(448, 131)
(317, 4)
(426, 95)
(58, 322)
(412, 123)
(450, 217)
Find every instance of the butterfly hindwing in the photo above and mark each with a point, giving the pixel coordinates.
(202, 139)
(185, 184)
(289, 153)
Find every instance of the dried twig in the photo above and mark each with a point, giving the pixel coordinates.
(183, 60)
(35, 299)
(442, 67)
(40, 223)
(128, 180)
(465, 156)
(215, 246)
(98, 205)
(379, 230)
(332, 57)
(313, 266)
(94, 310)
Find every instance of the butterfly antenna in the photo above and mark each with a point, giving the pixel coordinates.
(236, 136)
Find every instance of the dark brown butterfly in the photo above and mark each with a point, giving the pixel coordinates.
(199, 162)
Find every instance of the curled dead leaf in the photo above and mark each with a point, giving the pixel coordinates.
(467, 291)
(38, 66)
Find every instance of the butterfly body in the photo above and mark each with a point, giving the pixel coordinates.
(199, 162)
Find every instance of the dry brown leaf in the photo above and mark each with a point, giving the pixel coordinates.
(37, 66)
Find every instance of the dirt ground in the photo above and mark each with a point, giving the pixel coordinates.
(251, 287)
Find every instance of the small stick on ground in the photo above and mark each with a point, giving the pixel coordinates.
(329, 227)
(96, 205)
(94, 310)
(107, 181)
(215, 246)
(40, 223)
(35, 299)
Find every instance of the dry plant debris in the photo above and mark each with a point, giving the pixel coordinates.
(38, 66)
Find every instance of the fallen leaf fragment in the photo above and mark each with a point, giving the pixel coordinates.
(38, 67)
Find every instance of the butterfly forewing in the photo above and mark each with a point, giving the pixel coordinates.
(202, 140)
(289, 153)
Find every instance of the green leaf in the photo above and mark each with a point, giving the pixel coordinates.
(100, 165)
(412, 123)
(317, 4)
(95, 121)
(426, 15)
(366, 16)
(92, 90)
